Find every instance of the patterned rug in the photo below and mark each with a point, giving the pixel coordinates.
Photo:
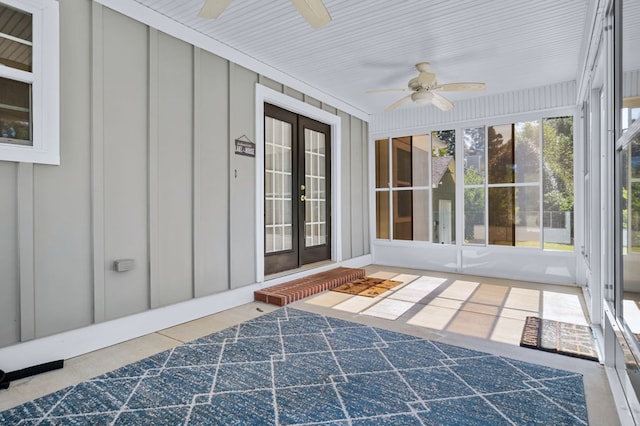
(559, 337)
(291, 367)
(367, 286)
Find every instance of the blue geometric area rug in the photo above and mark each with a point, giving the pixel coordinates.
(291, 367)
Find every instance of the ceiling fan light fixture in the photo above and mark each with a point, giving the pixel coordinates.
(422, 97)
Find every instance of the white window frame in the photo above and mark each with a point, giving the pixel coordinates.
(45, 85)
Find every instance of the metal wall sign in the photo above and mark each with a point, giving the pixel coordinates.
(244, 146)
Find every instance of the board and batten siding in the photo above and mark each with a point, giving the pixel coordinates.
(147, 173)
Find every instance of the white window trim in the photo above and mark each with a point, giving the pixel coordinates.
(45, 80)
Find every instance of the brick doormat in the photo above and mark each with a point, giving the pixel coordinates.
(283, 294)
(367, 286)
(559, 337)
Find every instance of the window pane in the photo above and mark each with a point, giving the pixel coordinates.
(420, 159)
(382, 163)
(278, 200)
(15, 38)
(501, 154)
(382, 215)
(474, 228)
(402, 172)
(558, 183)
(527, 152)
(443, 172)
(15, 112)
(527, 217)
(474, 149)
(421, 215)
(315, 181)
(403, 215)
(501, 216)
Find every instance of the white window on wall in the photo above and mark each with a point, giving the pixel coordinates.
(517, 185)
(29, 88)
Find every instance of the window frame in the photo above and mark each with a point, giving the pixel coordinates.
(45, 86)
(459, 128)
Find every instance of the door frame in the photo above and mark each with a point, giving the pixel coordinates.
(264, 95)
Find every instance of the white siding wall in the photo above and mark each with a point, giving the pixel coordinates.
(147, 173)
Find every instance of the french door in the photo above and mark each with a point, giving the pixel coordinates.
(297, 190)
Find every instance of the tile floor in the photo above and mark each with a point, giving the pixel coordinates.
(478, 313)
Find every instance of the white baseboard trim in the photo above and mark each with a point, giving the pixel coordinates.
(83, 340)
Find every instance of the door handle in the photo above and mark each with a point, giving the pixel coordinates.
(303, 198)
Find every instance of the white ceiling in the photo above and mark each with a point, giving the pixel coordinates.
(372, 44)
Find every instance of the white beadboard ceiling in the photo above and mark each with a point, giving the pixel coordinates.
(372, 44)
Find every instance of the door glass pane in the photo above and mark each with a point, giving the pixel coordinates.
(315, 229)
(278, 200)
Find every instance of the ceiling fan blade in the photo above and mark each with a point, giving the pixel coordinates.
(387, 90)
(213, 8)
(313, 11)
(441, 102)
(460, 87)
(397, 103)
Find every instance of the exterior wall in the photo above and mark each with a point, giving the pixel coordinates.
(147, 173)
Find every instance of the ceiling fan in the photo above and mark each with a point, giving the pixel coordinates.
(313, 11)
(424, 89)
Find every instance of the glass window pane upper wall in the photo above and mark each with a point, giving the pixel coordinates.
(474, 180)
(443, 184)
(15, 96)
(16, 38)
(558, 185)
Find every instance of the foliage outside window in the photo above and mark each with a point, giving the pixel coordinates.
(517, 185)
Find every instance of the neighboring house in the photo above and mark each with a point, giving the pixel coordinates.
(140, 201)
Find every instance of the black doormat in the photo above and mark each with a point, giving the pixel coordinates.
(559, 337)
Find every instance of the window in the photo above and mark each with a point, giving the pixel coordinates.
(514, 184)
(29, 107)
(413, 175)
(517, 185)
(474, 188)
